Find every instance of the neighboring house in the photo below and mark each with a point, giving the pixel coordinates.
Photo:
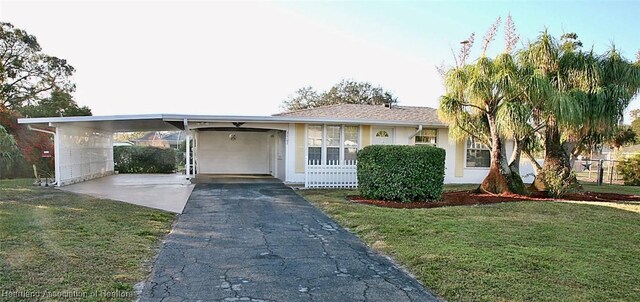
(316, 147)
(174, 138)
(610, 153)
(627, 151)
(153, 139)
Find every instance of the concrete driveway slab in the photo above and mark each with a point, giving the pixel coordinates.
(167, 192)
(263, 242)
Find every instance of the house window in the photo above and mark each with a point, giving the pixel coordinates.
(382, 133)
(350, 143)
(427, 137)
(314, 144)
(331, 144)
(478, 154)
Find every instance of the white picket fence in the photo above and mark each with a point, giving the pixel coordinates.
(334, 174)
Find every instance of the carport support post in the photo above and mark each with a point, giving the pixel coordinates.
(187, 150)
(56, 157)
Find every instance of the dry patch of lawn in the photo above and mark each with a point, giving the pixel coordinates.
(56, 245)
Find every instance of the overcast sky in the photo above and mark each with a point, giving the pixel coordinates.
(245, 58)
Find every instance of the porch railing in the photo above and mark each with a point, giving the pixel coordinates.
(332, 174)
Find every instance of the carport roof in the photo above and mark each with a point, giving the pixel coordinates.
(168, 122)
(112, 123)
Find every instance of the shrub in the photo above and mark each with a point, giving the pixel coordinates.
(630, 170)
(401, 173)
(560, 183)
(144, 159)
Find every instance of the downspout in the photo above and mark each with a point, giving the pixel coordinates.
(56, 151)
(41, 130)
(414, 135)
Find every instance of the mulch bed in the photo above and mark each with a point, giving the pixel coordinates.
(465, 198)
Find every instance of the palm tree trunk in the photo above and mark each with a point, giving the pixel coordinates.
(556, 158)
(514, 162)
(500, 179)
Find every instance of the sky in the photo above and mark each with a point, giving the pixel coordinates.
(245, 58)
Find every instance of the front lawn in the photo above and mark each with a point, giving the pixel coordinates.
(56, 245)
(607, 188)
(524, 251)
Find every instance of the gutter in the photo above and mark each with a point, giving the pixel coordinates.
(42, 130)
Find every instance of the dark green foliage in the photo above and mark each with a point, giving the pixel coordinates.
(11, 162)
(623, 136)
(345, 92)
(559, 184)
(60, 103)
(144, 159)
(630, 170)
(26, 73)
(401, 173)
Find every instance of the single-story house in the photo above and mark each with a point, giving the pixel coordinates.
(315, 147)
(153, 139)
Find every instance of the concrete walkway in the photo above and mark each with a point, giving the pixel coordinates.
(167, 192)
(263, 242)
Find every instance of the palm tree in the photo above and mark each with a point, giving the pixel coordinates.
(475, 93)
(590, 93)
(9, 151)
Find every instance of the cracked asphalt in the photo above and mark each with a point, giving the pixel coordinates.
(263, 242)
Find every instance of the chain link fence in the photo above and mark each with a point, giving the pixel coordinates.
(587, 170)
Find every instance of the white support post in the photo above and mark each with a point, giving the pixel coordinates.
(57, 156)
(188, 156)
(188, 150)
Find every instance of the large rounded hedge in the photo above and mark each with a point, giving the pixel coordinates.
(401, 173)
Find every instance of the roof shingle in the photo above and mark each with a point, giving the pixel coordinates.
(419, 115)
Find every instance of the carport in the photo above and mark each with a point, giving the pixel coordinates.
(215, 145)
(83, 146)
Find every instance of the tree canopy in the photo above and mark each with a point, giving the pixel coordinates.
(32, 84)
(475, 93)
(59, 103)
(345, 92)
(590, 92)
(26, 73)
(549, 89)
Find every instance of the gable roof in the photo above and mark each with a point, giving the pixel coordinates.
(149, 136)
(418, 115)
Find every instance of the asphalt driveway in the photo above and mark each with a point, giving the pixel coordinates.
(263, 242)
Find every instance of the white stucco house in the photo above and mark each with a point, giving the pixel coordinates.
(316, 147)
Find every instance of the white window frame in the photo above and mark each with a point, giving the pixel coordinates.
(306, 143)
(343, 137)
(323, 145)
(429, 144)
(466, 148)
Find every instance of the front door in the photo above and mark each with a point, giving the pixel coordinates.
(383, 136)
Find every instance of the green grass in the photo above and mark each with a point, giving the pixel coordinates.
(59, 244)
(459, 187)
(607, 188)
(526, 251)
